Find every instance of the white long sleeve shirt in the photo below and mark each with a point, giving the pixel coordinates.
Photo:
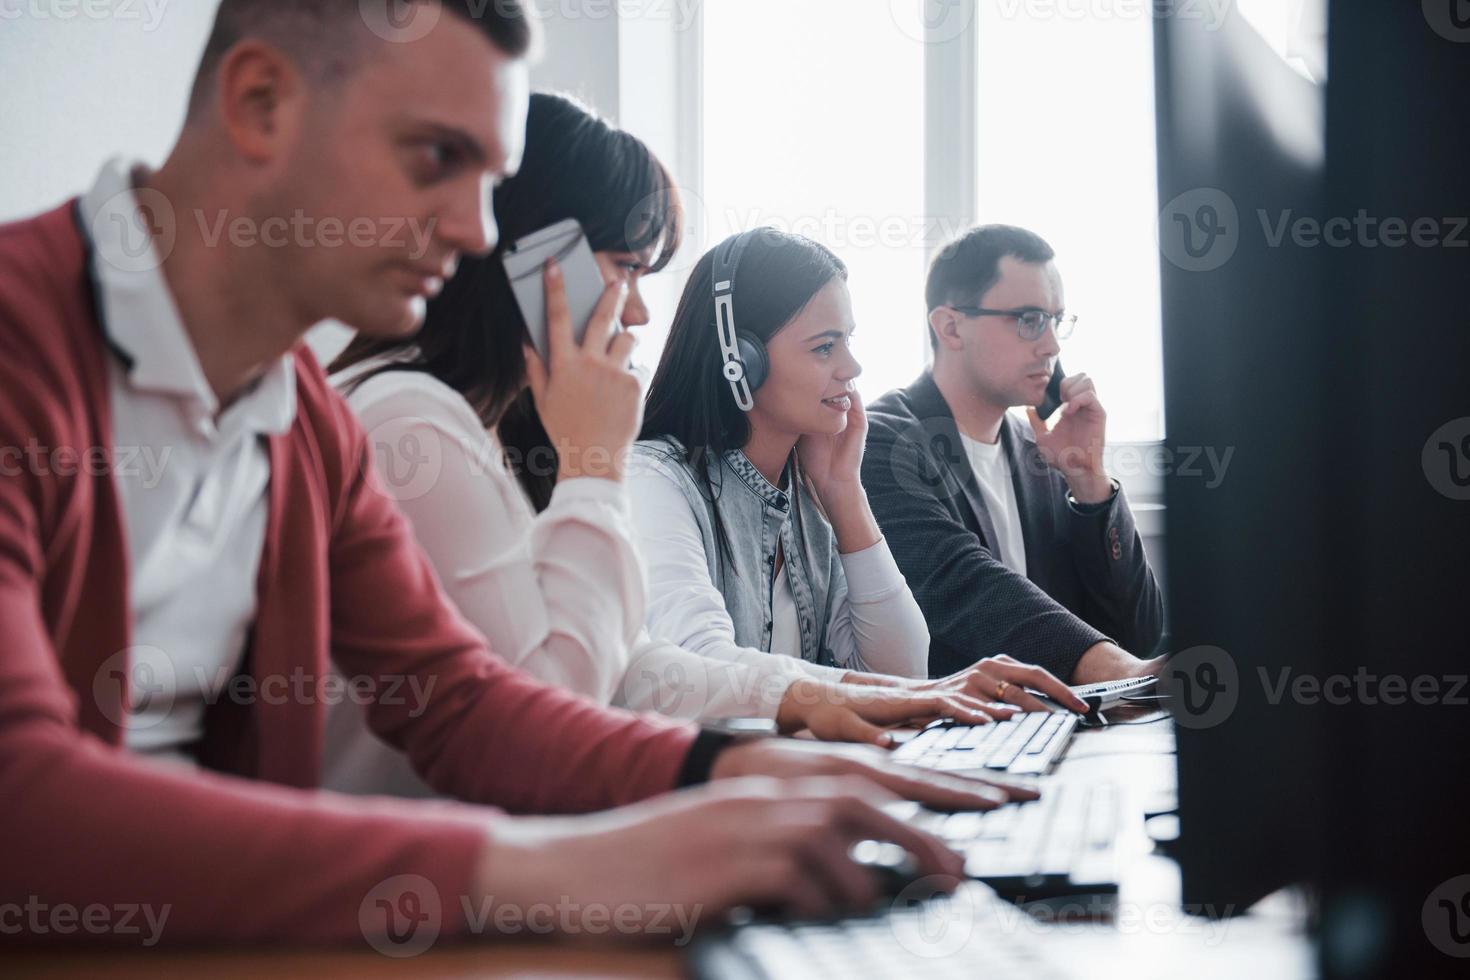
(560, 595)
(877, 626)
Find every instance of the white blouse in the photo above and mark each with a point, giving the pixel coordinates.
(560, 595)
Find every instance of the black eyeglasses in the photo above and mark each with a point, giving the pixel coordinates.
(1030, 324)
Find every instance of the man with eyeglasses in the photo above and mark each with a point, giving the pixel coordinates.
(1012, 537)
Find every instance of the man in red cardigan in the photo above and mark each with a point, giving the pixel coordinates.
(160, 318)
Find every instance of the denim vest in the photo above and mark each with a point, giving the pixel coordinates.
(757, 516)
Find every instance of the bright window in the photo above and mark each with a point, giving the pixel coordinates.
(813, 116)
(1066, 149)
(813, 124)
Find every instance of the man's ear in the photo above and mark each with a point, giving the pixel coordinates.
(259, 95)
(945, 322)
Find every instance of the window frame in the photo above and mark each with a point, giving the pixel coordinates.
(951, 156)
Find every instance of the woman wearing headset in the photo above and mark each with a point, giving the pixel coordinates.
(509, 468)
(750, 513)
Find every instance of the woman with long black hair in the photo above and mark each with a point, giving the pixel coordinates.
(751, 515)
(510, 467)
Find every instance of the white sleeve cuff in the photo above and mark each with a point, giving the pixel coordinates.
(593, 489)
(872, 574)
(817, 672)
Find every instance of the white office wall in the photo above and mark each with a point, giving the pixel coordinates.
(580, 56)
(85, 81)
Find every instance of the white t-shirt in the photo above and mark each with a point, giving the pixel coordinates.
(785, 622)
(993, 474)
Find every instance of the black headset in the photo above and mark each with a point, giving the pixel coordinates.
(743, 358)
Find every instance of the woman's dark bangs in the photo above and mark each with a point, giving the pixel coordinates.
(642, 209)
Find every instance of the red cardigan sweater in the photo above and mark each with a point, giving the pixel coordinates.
(250, 850)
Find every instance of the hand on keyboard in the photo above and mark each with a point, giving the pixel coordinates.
(793, 759)
(1003, 678)
(778, 845)
(854, 713)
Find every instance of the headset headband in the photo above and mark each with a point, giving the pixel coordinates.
(732, 365)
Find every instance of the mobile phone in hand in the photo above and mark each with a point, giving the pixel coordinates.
(1053, 399)
(525, 264)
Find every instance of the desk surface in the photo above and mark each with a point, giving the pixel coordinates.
(520, 960)
(1147, 938)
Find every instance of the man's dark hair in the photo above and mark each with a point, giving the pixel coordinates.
(966, 268)
(325, 36)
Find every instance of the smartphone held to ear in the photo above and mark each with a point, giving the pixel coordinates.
(1053, 399)
(525, 265)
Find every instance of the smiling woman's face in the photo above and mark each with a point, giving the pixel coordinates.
(812, 369)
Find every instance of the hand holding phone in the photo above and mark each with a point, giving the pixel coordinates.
(1074, 443)
(589, 402)
(524, 263)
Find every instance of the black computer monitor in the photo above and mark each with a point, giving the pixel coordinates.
(1246, 381)
(1315, 327)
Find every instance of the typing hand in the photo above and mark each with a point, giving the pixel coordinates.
(1003, 678)
(793, 759)
(687, 857)
(849, 713)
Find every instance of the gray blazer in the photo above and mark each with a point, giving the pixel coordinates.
(1087, 577)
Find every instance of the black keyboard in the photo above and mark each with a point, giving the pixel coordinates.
(1063, 845)
(967, 936)
(1024, 744)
